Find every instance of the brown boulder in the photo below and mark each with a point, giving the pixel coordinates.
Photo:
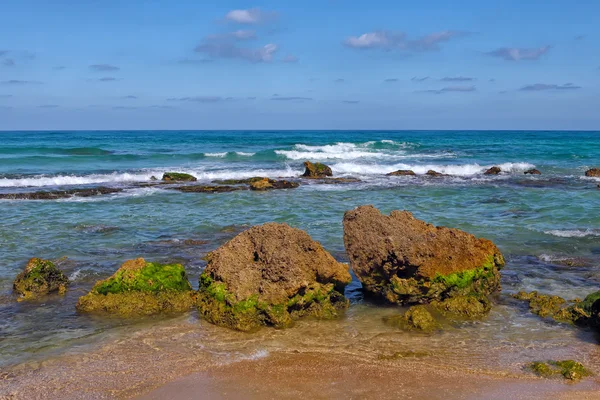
(493, 171)
(402, 172)
(268, 184)
(532, 171)
(271, 274)
(594, 172)
(405, 260)
(316, 170)
(434, 173)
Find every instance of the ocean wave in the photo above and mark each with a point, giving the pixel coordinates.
(573, 233)
(220, 155)
(66, 180)
(455, 170)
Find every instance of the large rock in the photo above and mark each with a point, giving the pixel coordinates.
(493, 171)
(40, 278)
(594, 172)
(271, 274)
(402, 172)
(316, 170)
(270, 184)
(405, 260)
(532, 171)
(141, 288)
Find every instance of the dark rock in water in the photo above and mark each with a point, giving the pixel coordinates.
(541, 183)
(140, 288)
(405, 260)
(207, 189)
(470, 306)
(153, 178)
(316, 170)
(493, 171)
(594, 172)
(569, 369)
(270, 184)
(60, 194)
(246, 181)
(532, 171)
(416, 318)
(40, 278)
(178, 177)
(271, 275)
(402, 172)
(434, 173)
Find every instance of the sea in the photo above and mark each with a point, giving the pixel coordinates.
(547, 226)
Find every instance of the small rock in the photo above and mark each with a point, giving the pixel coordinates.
(434, 173)
(316, 170)
(532, 171)
(153, 178)
(178, 177)
(594, 172)
(402, 172)
(269, 184)
(493, 171)
(40, 278)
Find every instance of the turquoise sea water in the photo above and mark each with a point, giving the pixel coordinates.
(541, 223)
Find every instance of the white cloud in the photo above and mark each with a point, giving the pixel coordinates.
(519, 54)
(387, 40)
(250, 16)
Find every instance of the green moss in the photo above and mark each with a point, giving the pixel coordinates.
(152, 278)
(471, 306)
(557, 308)
(416, 318)
(569, 369)
(131, 304)
(221, 307)
(39, 278)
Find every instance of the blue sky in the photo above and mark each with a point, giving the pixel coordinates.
(312, 64)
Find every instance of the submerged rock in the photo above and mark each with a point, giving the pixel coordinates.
(493, 171)
(246, 181)
(207, 189)
(402, 172)
(178, 177)
(316, 170)
(405, 260)
(141, 288)
(271, 275)
(594, 172)
(40, 278)
(532, 171)
(60, 194)
(337, 181)
(470, 306)
(569, 369)
(416, 318)
(269, 184)
(583, 313)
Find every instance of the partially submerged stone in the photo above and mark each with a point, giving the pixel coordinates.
(39, 278)
(434, 173)
(493, 171)
(470, 306)
(271, 275)
(593, 172)
(405, 260)
(207, 188)
(141, 288)
(402, 172)
(532, 171)
(316, 170)
(269, 184)
(569, 369)
(60, 194)
(416, 318)
(583, 313)
(178, 177)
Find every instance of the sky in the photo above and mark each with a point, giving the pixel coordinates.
(289, 64)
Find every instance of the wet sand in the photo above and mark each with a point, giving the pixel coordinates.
(352, 358)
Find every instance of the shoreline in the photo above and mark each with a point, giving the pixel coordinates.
(184, 359)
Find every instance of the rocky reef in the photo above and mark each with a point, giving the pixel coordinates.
(141, 288)
(270, 184)
(271, 275)
(415, 318)
(316, 170)
(39, 278)
(60, 194)
(402, 172)
(434, 173)
(493, 171)
(532, 171)
(178, 177)
(404, 260)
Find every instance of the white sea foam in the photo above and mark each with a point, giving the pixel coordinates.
(220, 155)
(75, 275)
(241, 153)
(455, 170)
(63, 180)
(573, 233)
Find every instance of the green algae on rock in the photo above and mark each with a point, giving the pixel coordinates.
(416, 318)
(271, 275)
(141, 288)
(404, 260)
(178, 177)
(269, 184)
(569, 369)
(470, 306)
(583, 313)
(40, 278)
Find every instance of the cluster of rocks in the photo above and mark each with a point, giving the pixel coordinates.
(273, 274)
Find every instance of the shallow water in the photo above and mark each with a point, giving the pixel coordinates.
(539, 222)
